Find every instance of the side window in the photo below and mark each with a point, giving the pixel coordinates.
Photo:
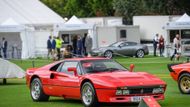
(79, 70)
(56, 67)
(66, 65)
(131, 43)
(123, 44)
(123, 34)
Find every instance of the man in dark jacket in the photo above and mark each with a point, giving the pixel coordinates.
(54, 48)
(4, 47)
(49, 46)
(79, 46)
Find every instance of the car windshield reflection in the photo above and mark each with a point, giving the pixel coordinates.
(116, 44)
(94, 66)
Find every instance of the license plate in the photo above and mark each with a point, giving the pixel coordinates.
(136, 98)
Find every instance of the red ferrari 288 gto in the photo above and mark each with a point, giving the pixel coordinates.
(93, 80)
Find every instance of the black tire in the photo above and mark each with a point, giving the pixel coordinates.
(108, 54)
(184, 83)
(36, 91)
(140, 53)
(88, 95)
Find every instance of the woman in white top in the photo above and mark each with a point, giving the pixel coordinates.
(176, 43)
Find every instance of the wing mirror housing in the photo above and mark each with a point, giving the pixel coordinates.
(132, 66)
(73, 69)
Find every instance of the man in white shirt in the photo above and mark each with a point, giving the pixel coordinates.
(176, 44)
(155, 42)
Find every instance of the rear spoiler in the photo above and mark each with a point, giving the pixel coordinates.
(170, 66)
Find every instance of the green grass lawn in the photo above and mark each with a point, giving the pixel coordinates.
(15, 93)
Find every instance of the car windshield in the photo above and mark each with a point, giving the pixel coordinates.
(108, 65)
(116, 44)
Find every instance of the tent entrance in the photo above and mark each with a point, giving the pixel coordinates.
(14, 47)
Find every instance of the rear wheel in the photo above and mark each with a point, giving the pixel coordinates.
(140, 53)
(184, 83)
(36, 91)
(88, 95)
(108, 54)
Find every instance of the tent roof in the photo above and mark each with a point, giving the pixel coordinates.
(10, 21)
(28, 12)
(74, 24)
(182, 23)
(74, 20)
(184, 18)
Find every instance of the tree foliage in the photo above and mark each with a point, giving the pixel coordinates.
(124, 8)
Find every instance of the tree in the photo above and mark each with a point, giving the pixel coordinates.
(101, 7)
(56, 5)
(127, 8)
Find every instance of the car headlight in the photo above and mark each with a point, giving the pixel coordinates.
(158, 90)
(122, 91)
(126, 92)
(118, 92)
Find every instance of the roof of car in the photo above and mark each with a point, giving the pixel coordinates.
(85, 58)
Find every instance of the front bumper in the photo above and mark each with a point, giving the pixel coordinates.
(109, 96)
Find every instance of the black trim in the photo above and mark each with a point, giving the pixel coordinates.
(63, 86)
(152, 86)
(170, 66)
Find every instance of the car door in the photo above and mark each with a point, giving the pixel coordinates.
(125, 48)
(65, 83)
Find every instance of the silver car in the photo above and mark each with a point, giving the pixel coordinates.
(121, 48)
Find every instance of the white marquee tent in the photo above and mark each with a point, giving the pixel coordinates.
(76, 26)
(181, 26)
(19, 37)
(182, 23)
(29, 13)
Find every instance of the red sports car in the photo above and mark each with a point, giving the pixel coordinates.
(181, 74)
(92, 80)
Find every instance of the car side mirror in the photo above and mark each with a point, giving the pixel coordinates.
(132, 66)
(73, 69)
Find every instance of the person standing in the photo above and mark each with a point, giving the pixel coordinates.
(84, 45)
(176, 44)
(88, 44)
(155, 42)
(74, 40)
(79, 46)
(4, 47)
(58, 47)
(0, 50)
(49, 46)
(54, 48)
(161, 45)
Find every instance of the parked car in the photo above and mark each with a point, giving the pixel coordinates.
(181, 73)
(123, 48)
(92, 80)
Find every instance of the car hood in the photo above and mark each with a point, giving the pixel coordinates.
(118, 79)
(178, 66)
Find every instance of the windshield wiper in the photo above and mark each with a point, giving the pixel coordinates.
(111, 69)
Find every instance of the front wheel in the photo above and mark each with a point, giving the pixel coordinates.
(140, 53)
(88, 95)
(184, 83)
(36, 91)
(108, 54)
